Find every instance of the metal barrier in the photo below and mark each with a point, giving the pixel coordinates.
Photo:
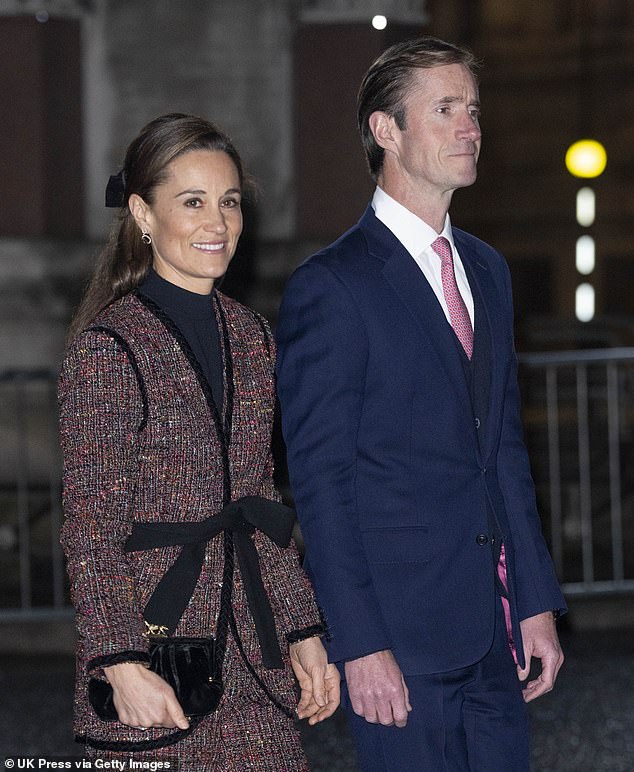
(32, 575)
(579, 422)
(582, 452)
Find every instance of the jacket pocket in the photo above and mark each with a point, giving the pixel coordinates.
(406, 544)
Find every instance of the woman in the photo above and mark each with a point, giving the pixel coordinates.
(167, 400)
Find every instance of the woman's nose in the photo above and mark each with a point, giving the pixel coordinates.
(215, 221)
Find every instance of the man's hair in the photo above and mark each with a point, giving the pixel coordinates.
(384, 86)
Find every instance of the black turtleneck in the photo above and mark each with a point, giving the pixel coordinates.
(194, 316)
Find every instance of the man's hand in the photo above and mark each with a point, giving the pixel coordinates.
(143, 699)
(319, 682)
(377, 689)
(539, 634)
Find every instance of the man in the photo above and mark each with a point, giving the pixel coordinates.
(397, 381)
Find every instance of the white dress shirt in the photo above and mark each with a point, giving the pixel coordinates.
(417, 237)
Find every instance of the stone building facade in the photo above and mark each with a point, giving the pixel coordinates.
(82, 76)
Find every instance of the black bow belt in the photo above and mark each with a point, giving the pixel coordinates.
(242, 518)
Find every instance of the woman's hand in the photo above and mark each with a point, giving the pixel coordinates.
(319, 682)
(143, 699)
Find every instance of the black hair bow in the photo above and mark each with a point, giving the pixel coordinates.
(115, 190)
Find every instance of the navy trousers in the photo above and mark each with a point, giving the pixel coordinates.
(468, 720)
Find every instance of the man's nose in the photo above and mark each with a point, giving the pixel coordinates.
(469, 127)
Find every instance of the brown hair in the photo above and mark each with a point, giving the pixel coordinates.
(384, 86)
(125, 260)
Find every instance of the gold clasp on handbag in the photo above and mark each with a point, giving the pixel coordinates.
(154, 631)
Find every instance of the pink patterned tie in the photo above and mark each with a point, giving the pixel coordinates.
(458, 313)
(505, 603)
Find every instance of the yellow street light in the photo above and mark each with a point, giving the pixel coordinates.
(586, 158)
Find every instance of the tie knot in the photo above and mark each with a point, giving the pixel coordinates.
(442, 248)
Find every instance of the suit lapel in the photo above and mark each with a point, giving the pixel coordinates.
(413, 289)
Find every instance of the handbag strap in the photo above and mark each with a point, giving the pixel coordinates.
(141, 745)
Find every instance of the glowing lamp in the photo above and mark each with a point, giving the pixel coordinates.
(586, 158)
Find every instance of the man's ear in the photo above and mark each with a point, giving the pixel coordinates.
(383, 128)
(139, 210)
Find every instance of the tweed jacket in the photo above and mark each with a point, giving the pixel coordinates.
(142, 443)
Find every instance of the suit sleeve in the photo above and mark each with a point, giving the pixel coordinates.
(321, 371)
(536, 584)
(100, 414)
(290, 590)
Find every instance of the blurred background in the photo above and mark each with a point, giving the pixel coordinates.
(80, 78)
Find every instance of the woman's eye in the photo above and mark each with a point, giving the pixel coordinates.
(193, 203)
(230, 203)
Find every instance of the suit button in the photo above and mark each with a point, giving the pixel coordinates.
(477, 422)
(482, 539)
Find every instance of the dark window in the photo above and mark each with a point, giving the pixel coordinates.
(40, 132)
(618, 279)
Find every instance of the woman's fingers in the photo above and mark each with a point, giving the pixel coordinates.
(175, 712)
(144, 699)
(318, 677)
(319, 681)
(332, 686)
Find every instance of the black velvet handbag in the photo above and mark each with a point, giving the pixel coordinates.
(190, 667)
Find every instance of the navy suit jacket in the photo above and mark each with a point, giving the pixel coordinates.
(392, 481)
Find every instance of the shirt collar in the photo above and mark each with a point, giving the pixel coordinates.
(413, 233)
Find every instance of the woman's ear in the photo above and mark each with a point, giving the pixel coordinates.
(139, 210)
